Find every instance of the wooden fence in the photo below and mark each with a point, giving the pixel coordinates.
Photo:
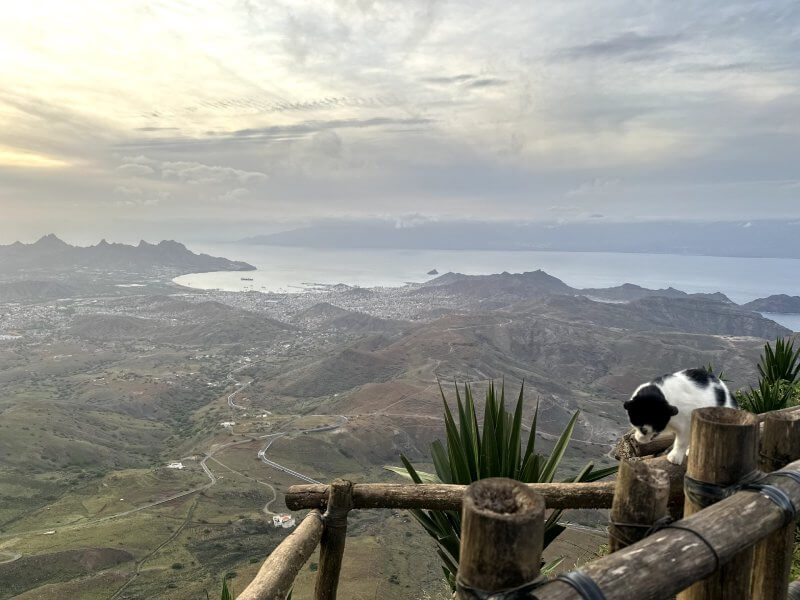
(737, 496)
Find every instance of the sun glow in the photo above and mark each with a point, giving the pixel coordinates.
(10, 157)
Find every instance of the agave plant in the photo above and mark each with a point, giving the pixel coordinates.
(768, 396)
(778, 385)
(710, 370)
(780, 364)
(226, 593)
(474, 452)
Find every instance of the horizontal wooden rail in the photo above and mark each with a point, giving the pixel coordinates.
(440, 496)
(672, 559)
(276, 576)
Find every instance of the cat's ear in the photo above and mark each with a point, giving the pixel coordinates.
(627, 404)
(673, 410)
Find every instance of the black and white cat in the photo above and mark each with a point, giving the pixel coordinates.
(667, 402)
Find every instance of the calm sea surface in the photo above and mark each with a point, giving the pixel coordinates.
(284, 269)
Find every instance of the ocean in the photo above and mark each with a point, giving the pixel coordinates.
(292, 269)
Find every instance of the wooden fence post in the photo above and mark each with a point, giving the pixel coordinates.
(780, 445)
(331, 550)
(722, 451)
(502, 532)
(276, 576)
(640, 499)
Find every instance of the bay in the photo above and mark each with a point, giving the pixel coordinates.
(295, 269)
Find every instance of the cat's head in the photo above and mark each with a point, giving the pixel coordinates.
(649, 412)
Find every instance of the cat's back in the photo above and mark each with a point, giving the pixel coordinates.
(696, 388)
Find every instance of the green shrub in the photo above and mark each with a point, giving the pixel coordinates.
(493, 450)
(778, 385)
(226, 593)
(767, 396)
(780, 364)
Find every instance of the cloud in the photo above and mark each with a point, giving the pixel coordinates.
(195, 173)
(487, 82)
(360, 107)
(190, 172)
(273, 133)
(412, 220)
(235, 196)
(717, 68)
(446, 80)
(625, 46)
(135, 196)
(135, 169)
(595, 187)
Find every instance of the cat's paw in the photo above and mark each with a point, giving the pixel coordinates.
(676, 458)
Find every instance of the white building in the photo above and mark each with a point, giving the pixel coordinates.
(175, 465)
(228, 423)
(285, 521)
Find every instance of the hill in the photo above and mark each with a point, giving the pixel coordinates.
(534, 284)
(50, 254)
(516, 285)
(344, 371)
(113, 327)
(778, 303)
(628, 292)
(325, 315)
(658, 313)
(32, 291)
(176, 321)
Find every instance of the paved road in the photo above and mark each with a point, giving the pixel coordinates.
(231, 403)
(262, 453)
(14, 556)
(212, 480)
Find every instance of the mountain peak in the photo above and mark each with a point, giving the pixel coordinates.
(171, 244)
(50, 240)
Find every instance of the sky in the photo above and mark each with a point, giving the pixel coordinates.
(219, 119)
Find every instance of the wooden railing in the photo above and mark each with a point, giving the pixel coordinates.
(739, 547)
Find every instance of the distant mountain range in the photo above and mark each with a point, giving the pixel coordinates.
(50, 254)
(778, 303)
(628, 305)
(741, 239)
(538, 283)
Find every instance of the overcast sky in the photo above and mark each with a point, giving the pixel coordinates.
(222, 118)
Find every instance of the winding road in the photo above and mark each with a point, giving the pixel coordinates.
(14, 556)
(212, 480)
(231, 403)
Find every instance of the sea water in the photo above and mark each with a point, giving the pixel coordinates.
(296, 269)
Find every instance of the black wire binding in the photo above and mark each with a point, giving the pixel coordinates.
(778, 497)
(704, 494)
(583, 584)
(793, 475)
(521, 592)
(613, 529)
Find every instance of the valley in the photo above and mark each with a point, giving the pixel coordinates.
(101, 394)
